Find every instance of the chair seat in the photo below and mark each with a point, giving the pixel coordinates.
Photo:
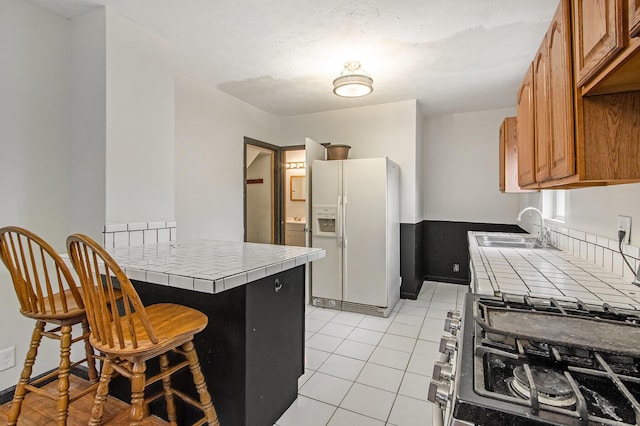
(47, 315)
(173, 324)
(74, 313)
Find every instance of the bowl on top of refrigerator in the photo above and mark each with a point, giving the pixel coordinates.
(337, 152)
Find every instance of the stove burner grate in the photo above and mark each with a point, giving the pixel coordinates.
(562, 323)
(552, 387)
(577, 384)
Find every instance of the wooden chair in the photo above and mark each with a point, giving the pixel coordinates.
(47, 293)
(133, 334)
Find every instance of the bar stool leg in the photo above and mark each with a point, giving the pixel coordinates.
(168, 393)
(20, 392)
(91, 361)
(101, 393)
(201, 385)
(62, 404)
(137, 393)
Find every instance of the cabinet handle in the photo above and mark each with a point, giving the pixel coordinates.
(277, 285)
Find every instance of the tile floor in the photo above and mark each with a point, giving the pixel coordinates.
(364, 370)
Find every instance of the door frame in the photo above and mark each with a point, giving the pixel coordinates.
(283, 151)
(278, 172)
(278, 187)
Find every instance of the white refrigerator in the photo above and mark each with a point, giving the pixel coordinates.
(355, 218)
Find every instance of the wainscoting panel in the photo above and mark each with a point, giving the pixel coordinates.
(445, 244)
(411, 247)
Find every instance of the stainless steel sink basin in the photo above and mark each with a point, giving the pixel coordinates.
(509, 241)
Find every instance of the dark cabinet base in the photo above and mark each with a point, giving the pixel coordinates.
(251, 352)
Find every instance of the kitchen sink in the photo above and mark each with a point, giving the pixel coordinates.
(510, 241)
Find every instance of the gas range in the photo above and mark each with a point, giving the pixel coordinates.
(539, 361)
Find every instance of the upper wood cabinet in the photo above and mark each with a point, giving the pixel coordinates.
(579, 138)
(541, 114)
(502, 152)
(560, 101)
(606, 47)
(525, 132)
(608, 134)
(509, 156)
(599, 35)
(634, 18)
(553, 101)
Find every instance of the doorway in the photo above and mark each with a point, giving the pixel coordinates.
(270, 201)
(295, 197)
(262, 192)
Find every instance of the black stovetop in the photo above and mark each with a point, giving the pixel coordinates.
(590, 378)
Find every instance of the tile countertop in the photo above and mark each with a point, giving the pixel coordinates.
(209, 266)
(546, 273)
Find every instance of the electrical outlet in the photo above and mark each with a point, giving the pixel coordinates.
(7, 358)
(624, 224)
(456, 267)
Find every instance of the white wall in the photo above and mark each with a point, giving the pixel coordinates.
(209, 145)
(140, 168)
(460, 174)
(387, 130)
(88, 123)
(595, 210)
(419, 165)
(34, 148)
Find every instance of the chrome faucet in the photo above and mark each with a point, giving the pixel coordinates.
(544, 233)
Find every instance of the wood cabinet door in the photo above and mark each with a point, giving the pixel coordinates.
(634, 18)
(501, 155)
(509, 155)
(541, 108)
(560, 101)
(526, 135)
(598, 35)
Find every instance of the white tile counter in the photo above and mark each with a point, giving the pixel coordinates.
(209, 266)
(541, 272)
(252, 349)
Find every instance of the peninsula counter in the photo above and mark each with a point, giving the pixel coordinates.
(252, 351)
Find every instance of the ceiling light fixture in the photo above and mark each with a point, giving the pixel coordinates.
(353, 82)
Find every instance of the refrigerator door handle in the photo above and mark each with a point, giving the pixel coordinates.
(339, 224)
(343, 226)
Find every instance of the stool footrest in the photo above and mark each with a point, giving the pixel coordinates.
(83, 392)
(167, 373)
(39, 391)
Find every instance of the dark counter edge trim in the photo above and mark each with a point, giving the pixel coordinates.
(429, 249)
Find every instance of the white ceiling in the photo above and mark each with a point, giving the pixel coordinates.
(282, 55)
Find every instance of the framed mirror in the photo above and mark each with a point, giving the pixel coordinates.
(298, 188)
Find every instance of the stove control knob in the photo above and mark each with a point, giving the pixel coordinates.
(442, 371)
(452, 325)
(454, 315)
(439, 392)
(447, 345)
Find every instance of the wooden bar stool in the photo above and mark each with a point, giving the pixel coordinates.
(47, 293)
(133, 334)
